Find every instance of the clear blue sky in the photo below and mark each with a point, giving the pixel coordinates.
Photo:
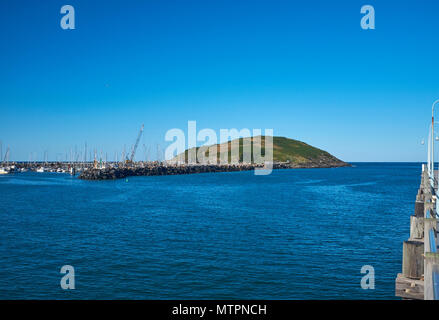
(304, 68)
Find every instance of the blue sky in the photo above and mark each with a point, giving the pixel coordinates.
(304, 68)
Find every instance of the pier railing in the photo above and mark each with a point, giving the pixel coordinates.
(420, 267)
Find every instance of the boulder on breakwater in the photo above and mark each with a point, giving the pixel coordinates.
(112, 173)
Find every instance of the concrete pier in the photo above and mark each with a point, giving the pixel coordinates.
(419, 279)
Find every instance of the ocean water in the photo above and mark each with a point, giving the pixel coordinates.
(294, 234)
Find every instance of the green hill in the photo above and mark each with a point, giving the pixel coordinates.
(297, 153)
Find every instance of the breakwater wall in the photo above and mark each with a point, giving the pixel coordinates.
(166, 169)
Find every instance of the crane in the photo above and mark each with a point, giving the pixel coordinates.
(136, 144)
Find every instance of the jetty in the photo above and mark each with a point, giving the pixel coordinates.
(163, 168)
(419, 279)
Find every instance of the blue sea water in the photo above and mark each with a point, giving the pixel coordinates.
(294, 234)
